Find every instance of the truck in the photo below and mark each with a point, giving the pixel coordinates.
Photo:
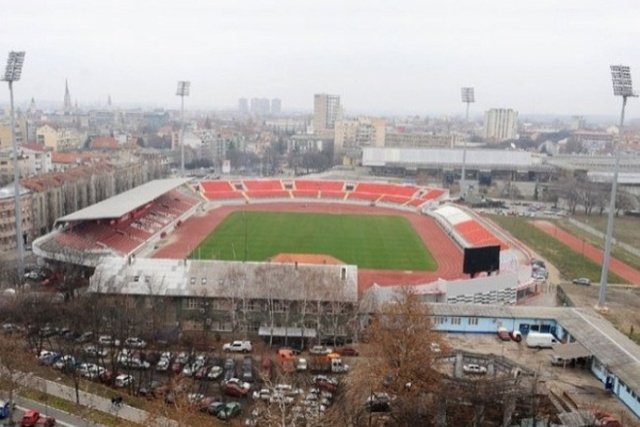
(238, 346)
(331, 362)
(33, 418)
(541, 340)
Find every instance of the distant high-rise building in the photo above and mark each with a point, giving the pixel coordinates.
(500, 124)
(109, 101)
(326, 109)
(355, 134)
(276, 106)
(260, 106)
(243, 105)
(68, 107)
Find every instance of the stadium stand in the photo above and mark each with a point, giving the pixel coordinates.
(319, 185)
(465, 230)
(305, 194)
(265, 194)
(390, 189)
(263, 185)
(372, 197)
(333, 195)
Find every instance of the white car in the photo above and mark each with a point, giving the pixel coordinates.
(238, 346)
(320, 350)
(239, 383)
(215, 372)
(474, 369)
(435, 347)
(124, 380)
(108, 341)
(301, 364)
(262, 394)
(135, 342)
(163, 364)
(94, 351)
(65, 362)
(90, 370)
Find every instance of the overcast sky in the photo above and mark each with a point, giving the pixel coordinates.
(542, 56)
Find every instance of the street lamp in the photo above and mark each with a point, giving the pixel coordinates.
(12, 74)
(183, 90)
(468, 96)
(622, 86)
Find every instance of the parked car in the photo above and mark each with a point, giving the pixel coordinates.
(325, 383)
(10, 328)
(378, 402)
(135, 342)
(33, 418)
(92, 350)
(247, 369)
(348, 351)
(65, 363)
(301, 364)
(320, 350)
(435, 347)
(229, 368)
(234, 389)
(581, 281)
(215, 372)
(474, 369)
(48, 358)
(124, 380)
(228, 411)
(503, 334)
(108, 341)
(84, 337)
(163, 364)
(238, 346)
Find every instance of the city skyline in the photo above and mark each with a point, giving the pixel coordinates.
(410, 58)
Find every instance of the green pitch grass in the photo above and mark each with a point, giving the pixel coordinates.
(369, 241)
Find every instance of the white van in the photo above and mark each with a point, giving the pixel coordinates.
(541, 340)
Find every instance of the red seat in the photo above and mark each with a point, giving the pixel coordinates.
(319, 185)
(263, 185)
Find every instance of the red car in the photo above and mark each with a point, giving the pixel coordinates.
(34, 419)
(348, 351)
(234, 390)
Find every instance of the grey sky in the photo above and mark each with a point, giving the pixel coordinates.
(543, 56)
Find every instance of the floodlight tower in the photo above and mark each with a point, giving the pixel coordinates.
(183, 90)
(622, 86)
(468, 97)
(12, 74)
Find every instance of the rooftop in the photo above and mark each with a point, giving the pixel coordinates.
(225, 279)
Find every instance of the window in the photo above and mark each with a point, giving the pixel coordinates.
(136, 278)
(193, 280)
(193, 303)
(204, 281)
(472, 320)
(456, 321)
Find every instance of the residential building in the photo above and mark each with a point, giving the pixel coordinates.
(5, 136)
(500, 124)
(31, 161)
(326, 111)
(8, 240)
(243, 105)
(276, 106)
(260, 106)
(58, 138)
(352, 135)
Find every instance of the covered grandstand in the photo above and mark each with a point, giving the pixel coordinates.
(120, 225)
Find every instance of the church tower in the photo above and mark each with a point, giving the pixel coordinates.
(67, 98)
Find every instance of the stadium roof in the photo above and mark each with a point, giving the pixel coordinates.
(451, 158)
(123, 203)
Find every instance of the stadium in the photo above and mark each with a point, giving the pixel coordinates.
(378, 234)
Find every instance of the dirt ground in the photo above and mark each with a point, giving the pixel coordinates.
(578, 383)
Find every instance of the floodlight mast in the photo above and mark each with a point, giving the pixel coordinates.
(468, 97)
(183, 90)
(622, 86)
(12, 74)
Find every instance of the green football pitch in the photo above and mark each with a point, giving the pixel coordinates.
(368, 241)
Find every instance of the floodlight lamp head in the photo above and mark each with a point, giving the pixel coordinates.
(183, 88)
(621, 79)
(14, 66)
(468, 95)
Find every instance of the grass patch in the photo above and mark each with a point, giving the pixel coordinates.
(369, 241)
(625, 228)
(616, 251)
(570, 263)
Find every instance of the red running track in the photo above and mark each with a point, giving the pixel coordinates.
(446, 253)
(594, 254)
